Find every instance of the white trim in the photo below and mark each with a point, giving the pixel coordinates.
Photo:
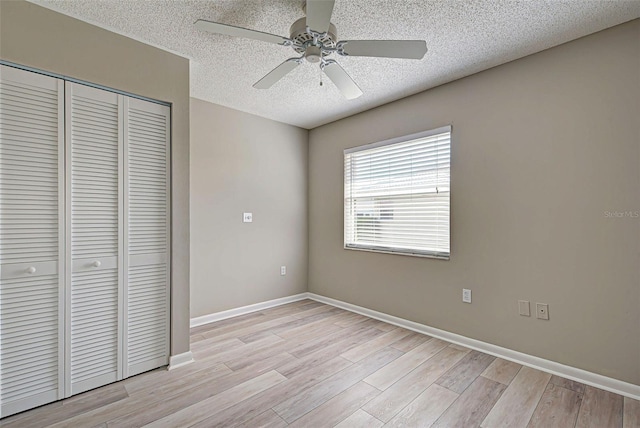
(68, 94)
(64, 78)
(180, 360)
(593, 379)
(62, 240)
(123, 170)
(123, 250)
(219, 316)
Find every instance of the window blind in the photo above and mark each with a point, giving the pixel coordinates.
(397, 194)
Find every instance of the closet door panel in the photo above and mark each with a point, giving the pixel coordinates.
(94, 139)
(31, 239)
(147, 235)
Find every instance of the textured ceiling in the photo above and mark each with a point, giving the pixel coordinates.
(463, 37)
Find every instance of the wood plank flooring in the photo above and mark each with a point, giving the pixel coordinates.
(310, 365)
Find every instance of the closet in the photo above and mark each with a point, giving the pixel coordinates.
(84, 237)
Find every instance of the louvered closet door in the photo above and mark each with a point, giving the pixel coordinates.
(94, 141)
(31, 239)
(147, 235)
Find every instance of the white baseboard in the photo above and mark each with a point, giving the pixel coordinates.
(219, 316)
(599, 381)
(180, 360)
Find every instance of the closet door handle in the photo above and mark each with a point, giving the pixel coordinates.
(96, 263)
(31, 269)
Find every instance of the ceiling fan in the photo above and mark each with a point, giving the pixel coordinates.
(315, 38)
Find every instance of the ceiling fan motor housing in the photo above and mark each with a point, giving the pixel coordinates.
(304, 39)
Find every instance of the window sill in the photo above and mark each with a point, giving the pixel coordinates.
(426, 255)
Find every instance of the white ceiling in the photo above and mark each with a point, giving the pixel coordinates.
(463, 37)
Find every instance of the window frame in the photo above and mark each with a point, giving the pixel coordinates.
(388, 249)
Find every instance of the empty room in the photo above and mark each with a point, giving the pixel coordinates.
(349, 213)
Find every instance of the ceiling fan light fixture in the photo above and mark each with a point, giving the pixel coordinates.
(313, 54)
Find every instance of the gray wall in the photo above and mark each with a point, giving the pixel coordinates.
(33, 36)
(244, 163)
(542, 148)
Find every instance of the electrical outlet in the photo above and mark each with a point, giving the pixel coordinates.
(247, 217)
(542, 311)
(466, 295)
(523, 308)
(283, 270)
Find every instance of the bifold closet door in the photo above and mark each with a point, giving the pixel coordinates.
(147, 235)
(84, 238)
(94, 219)
(31, 239)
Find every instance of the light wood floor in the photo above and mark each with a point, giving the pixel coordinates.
(307, 364)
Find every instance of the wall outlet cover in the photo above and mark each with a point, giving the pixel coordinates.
(247, 217)
(466, 295)
(283, 270)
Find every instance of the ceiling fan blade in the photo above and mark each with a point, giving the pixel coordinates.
(319, 14)
(277, 73)
(341, 79)
(230, 30)
(409, 49)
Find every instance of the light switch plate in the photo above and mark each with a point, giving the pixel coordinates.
(466, 295)
(524, 308)
(247, 217)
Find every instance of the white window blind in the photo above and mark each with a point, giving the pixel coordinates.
(396, 195)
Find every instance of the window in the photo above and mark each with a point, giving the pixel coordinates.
(396, 195)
